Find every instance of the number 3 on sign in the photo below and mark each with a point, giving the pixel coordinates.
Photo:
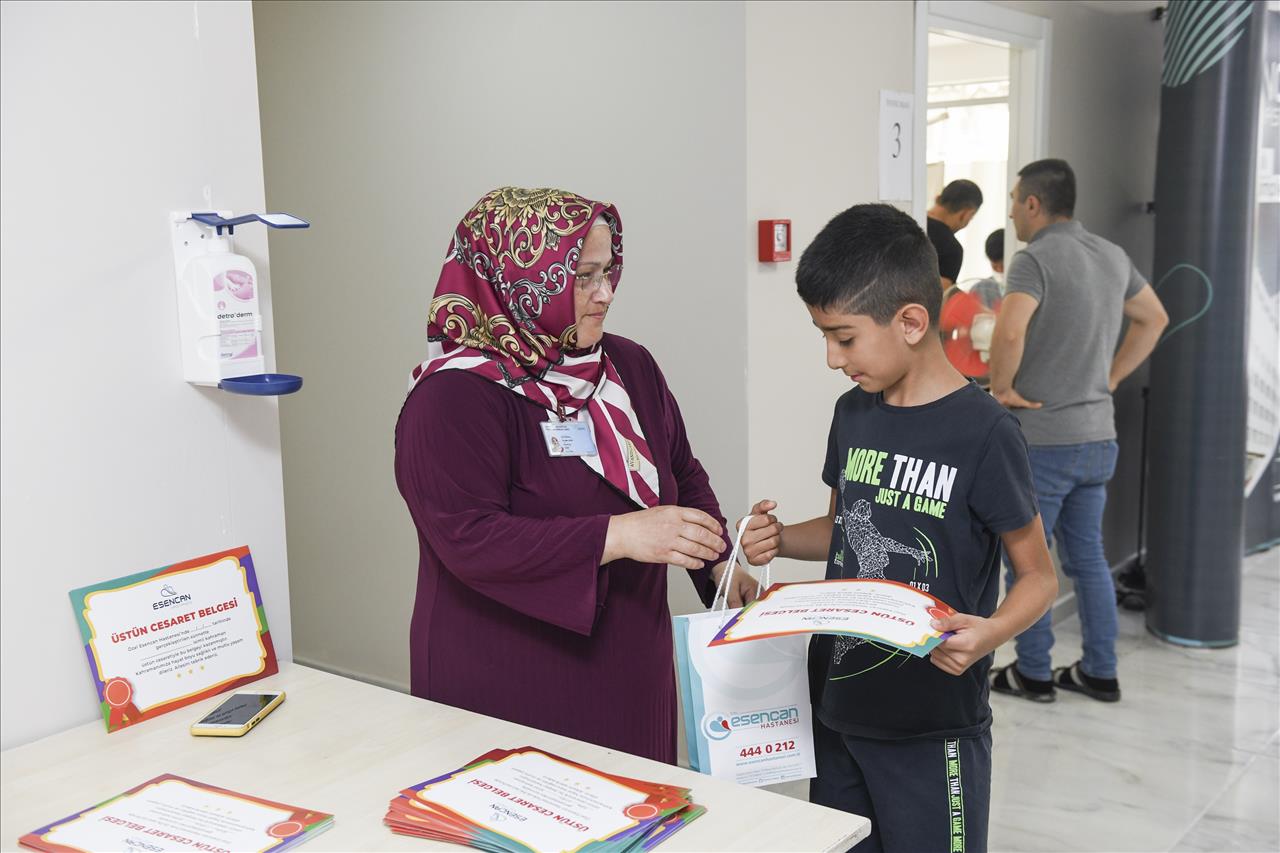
(897, 159)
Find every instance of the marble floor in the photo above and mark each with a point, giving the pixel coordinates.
(1188, 760)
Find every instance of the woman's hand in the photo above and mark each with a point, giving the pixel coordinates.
(763, 536)
(742, 587)
(665, 534)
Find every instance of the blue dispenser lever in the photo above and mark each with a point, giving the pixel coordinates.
(274, 220)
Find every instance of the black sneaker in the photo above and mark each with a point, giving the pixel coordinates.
(1074, 679)
(1007, 680)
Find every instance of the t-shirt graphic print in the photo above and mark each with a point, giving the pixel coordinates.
(871, 551)
(922, 496)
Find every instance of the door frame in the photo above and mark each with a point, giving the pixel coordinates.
(1031, 38)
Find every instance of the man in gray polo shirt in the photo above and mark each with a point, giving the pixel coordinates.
(1054, 363)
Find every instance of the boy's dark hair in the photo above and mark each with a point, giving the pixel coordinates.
(960, 195)
(872, 259)
(995, 245)
(1051, 181)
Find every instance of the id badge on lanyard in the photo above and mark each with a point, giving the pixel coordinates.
(568, 437)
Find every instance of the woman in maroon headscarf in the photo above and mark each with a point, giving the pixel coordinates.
(546, 467)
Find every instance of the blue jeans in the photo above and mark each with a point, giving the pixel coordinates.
(1071, 485)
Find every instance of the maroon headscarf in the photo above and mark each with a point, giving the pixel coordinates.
(504, 309)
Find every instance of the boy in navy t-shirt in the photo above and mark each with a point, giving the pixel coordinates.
(929, 480)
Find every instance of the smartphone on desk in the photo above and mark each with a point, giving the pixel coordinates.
(238, 713)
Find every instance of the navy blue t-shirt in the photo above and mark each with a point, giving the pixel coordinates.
(924, 493)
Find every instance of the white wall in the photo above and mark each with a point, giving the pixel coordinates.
(383, 123)
(814, 75)
(111, 115)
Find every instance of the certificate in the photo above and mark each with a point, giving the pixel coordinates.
(166, 638)
(172, 813)
(882, 610)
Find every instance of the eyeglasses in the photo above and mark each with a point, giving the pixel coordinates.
(591, 282)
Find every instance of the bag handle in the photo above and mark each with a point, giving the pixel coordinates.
(722, 587)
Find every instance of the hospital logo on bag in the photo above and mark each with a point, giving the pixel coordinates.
(716, 726)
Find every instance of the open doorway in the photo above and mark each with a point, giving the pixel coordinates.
(967, 135)
(986, 68)
(981, 92)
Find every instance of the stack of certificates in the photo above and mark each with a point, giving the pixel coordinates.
(526, 799)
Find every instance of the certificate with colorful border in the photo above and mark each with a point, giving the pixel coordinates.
(172, 813)
(165, 638)
(882, 610)
(530, 800)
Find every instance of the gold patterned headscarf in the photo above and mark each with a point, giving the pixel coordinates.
(504, 309)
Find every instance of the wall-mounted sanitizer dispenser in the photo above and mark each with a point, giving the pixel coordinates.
(218, 314)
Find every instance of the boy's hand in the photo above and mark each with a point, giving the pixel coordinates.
(974, 639)
(763, 536)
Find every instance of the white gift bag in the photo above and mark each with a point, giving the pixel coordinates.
(746, 705)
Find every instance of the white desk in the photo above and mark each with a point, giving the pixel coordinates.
(346, 747)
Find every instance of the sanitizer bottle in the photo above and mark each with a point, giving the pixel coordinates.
(221, 326)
